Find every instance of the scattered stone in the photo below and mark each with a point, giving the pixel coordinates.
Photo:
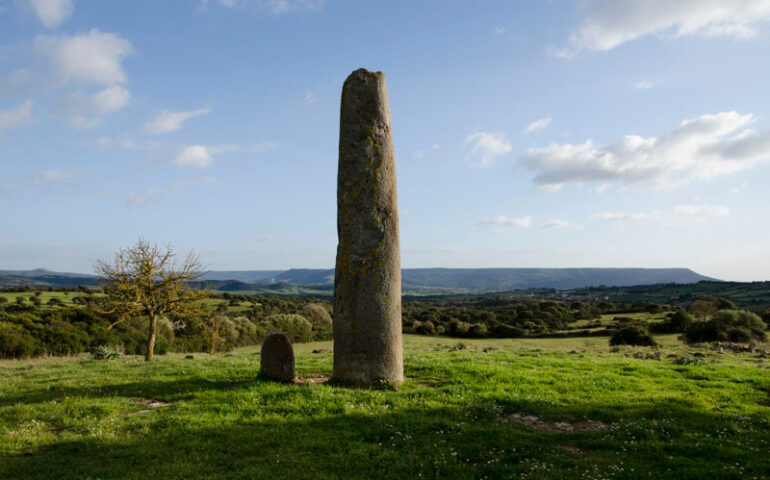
(654, 356)
(367, 281)
(321, 351)
(277, 357)
(189, 357)
(149, 402)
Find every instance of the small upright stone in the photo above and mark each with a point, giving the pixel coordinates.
(277, 357)
(367, 279)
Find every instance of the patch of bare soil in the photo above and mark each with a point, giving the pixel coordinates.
(150, 403)
(312, 378)
(538, 423)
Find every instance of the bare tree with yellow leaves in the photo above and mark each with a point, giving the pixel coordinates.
(145, 280)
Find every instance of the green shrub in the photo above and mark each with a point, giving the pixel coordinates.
(727, 325)
(320, 319)
(16, 343)
(296, 327)
(676, 322)
(633, 335)
(508, 331)
(687, 359)
(107, 352)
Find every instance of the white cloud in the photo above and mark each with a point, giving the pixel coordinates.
(486, 146)
(155, 192)
(705, 147)
(84, 110)
(93, 58)
(676, 216)
(418, 154)
(499, 30)
(738, 188)
(111, 99)
(310, 98)
(52, 13)
(277, 7)
(53, 175)
(261, 147)
(555, 223)
(17, 79)
(503, 221)
(194, 156)
(609, 23)
(167, 121)
(16, 117)
(645, 84)
(538, 124)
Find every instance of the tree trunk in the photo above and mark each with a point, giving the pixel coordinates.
(151, 339)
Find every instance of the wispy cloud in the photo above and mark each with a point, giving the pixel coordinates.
(311, 97)
(85, 110)
(53, 175)
(160, 191)
(167, 121)
(418, 154)
(679, 215)
(705, 147)
(277, 7)
(538, 124)
(485, 147)
(645, 84)
(555, 223)
(503, 221)
(19, 116)
(608, 24)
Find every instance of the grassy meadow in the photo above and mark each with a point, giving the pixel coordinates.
(524, 408)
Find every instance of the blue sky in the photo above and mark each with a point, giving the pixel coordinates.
(596, 133)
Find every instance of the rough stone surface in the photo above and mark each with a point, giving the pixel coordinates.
(367, 281)
(277, 357)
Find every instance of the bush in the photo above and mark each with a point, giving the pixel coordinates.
(633, 335)
(727, 325)
(508, 331)
(107, 352)
(296, 327)
(676, 322)
(320, 320)
(16, 343)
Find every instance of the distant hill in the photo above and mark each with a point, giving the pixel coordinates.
(44, 278)
(246, 276)
(462, 280)
(505, 279)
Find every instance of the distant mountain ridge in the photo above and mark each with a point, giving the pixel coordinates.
(502, 279)
(435, 279)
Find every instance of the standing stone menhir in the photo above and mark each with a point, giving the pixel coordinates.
(277, 357)
(367, 280)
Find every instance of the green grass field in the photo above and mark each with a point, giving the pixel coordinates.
(557, 408)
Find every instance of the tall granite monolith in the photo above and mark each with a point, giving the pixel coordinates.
(367, 279)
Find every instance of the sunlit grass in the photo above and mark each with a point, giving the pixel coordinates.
(213, 417)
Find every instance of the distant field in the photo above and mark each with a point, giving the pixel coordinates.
(528, 408)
